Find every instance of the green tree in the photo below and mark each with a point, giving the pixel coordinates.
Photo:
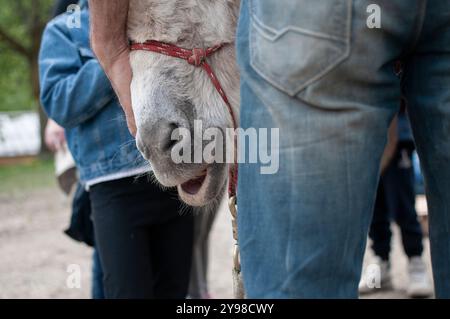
(21, 25)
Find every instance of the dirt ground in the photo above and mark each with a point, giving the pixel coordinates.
(35, 253)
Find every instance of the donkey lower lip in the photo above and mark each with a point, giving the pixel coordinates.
(193, 186)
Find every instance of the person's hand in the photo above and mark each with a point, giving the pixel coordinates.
(119, 73)
(109, 42)
(54, 136)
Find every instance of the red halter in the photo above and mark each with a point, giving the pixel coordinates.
(196, 57)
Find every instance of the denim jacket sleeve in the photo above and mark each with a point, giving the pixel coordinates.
(73, 85)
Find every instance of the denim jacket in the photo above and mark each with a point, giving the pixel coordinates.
(76, 93)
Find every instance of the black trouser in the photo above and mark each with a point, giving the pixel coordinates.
(396, 200)
(145, 245)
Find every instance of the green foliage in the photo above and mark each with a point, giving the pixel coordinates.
(27, 177)
(15, 88)
(18, 20)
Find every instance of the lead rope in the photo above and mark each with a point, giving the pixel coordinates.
(197, 57)
(238, 283)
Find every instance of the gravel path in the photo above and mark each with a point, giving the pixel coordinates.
(35, 254)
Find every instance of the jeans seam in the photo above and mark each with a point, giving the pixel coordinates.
(264, 30)
(349, 208)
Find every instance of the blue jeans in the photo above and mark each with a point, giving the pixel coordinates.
(315, 70)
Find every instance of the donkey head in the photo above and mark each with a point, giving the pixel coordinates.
(171, 96)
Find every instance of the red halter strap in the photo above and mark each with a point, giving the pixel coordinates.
(196, 57)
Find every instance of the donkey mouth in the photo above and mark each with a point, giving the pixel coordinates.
(193, 186)
(204, 188)
(195, 192)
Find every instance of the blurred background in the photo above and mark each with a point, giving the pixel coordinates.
(35, 252)
(33, 212)
(21, 26)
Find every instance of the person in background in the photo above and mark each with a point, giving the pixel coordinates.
(144, 244)
(81, 227)
(396, 200)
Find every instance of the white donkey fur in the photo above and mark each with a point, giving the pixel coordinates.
(162, 86)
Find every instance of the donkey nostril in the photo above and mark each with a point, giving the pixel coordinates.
(159, 138)
(172, 139)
